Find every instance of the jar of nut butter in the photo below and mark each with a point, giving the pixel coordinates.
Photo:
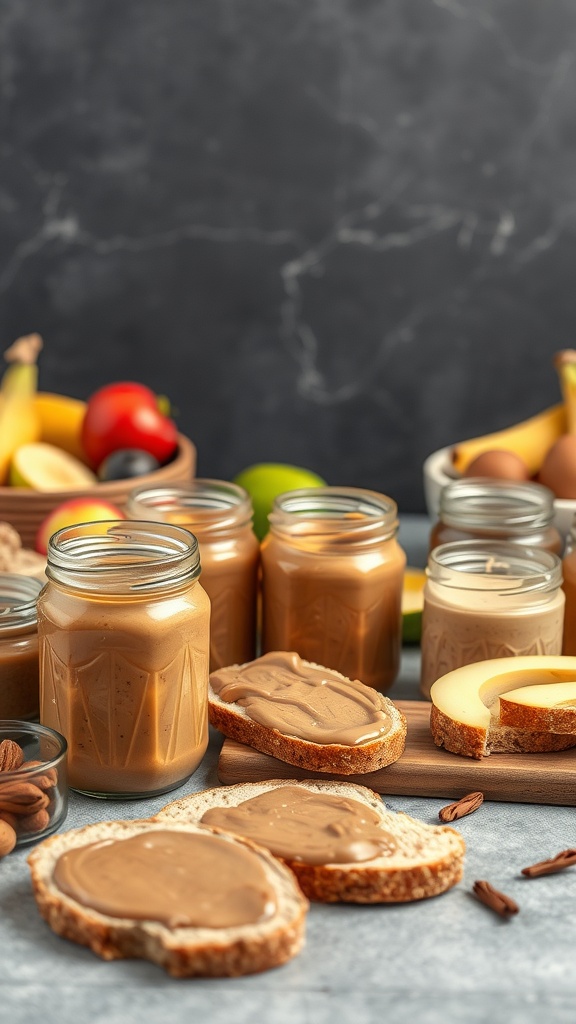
(332, 573)
(219, 514)
(482, 509)
(569, 588)
(19, 690)
(123, 627)
(486, 600)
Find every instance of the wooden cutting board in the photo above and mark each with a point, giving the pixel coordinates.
(426, 770)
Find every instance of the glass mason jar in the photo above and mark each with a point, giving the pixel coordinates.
(123, 625)
(488, 600)
(219, 514)
(569, 588)
(332, 574)
(477, 509)
(19, 687)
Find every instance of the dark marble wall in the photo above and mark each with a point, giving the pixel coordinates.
(339, 233)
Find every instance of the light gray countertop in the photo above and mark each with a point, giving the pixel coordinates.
(443, 959)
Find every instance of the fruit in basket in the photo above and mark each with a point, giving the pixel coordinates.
(530, 440)
(266, 480)
(127, 415)
(558, 470)
(19, 422)
(126, 463)
(72, 512)
(498, 464)
(44, 467)
(61, 421)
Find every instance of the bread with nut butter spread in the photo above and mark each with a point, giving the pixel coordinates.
(306, 715)
(194, 900)
(338, 838)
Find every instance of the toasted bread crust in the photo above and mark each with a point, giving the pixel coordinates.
(470, 741)
(329, 757)
(368, 882)
(523, 716)
(182, 952)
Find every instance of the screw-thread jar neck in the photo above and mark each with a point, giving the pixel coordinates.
(210, 507)
(339, 516)
(494, 566)
(18, 596)
(123, 557)
(478, 503)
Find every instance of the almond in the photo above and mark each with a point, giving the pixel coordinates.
(7, 838)
(11, 756)
(10, 818)
(22, 798)
(34, 822)
(45, 781)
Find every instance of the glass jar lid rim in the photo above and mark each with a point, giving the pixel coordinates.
(488, 503)
(18, 596)
(461, 563)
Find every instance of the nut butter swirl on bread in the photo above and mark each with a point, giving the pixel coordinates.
(194, 900)
(338, 838)
(306, 715)
(506, 705)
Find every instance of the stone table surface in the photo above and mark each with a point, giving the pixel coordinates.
(443, 959)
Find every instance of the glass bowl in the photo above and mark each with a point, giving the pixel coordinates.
(34, 792)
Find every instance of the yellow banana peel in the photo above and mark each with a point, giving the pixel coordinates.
(61, 421)
(19, 422)
(531, 439)
(565, 364)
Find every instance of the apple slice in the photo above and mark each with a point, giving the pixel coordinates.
(552, 708)
(465, 715)
(44, 467)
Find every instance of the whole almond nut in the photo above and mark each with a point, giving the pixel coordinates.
(11, 756)
(34, 822)
(8, 817)
(48, 778)
(7, 838)
(22, 798)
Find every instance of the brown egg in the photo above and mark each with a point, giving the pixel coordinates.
(498, 464)
(558, 471)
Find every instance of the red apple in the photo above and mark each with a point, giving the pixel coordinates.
(70, 513)
(126, 415)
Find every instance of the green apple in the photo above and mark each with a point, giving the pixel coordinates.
(266, 480)
(44, 467)
(412, 604)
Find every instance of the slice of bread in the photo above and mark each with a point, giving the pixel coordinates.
(467, 706)
(543, 707)
(428, 859)
(235, 721)
(182, 951)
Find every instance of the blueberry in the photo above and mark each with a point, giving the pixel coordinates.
(125, 463)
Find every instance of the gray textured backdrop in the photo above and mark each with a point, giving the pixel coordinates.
(339, 233)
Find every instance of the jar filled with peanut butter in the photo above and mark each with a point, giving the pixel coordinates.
(486, 600)
(569, 588)
(219, 514)
(19, 689)
(332, 573)
(123, 628)
(519, 512)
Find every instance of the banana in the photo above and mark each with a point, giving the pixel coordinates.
(61, 420)
(19, 422)
(531, 439)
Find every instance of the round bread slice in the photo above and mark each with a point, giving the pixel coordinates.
(427, 861)
(182, 951)
(338, 759)
(466, 718)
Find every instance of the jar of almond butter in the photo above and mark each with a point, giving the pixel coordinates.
(19, 689)
(332, 573)
(219, 514)
(123, 627)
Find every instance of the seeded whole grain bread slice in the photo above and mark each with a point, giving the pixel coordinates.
(338, 759)
(428, 859)
(182, 951)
